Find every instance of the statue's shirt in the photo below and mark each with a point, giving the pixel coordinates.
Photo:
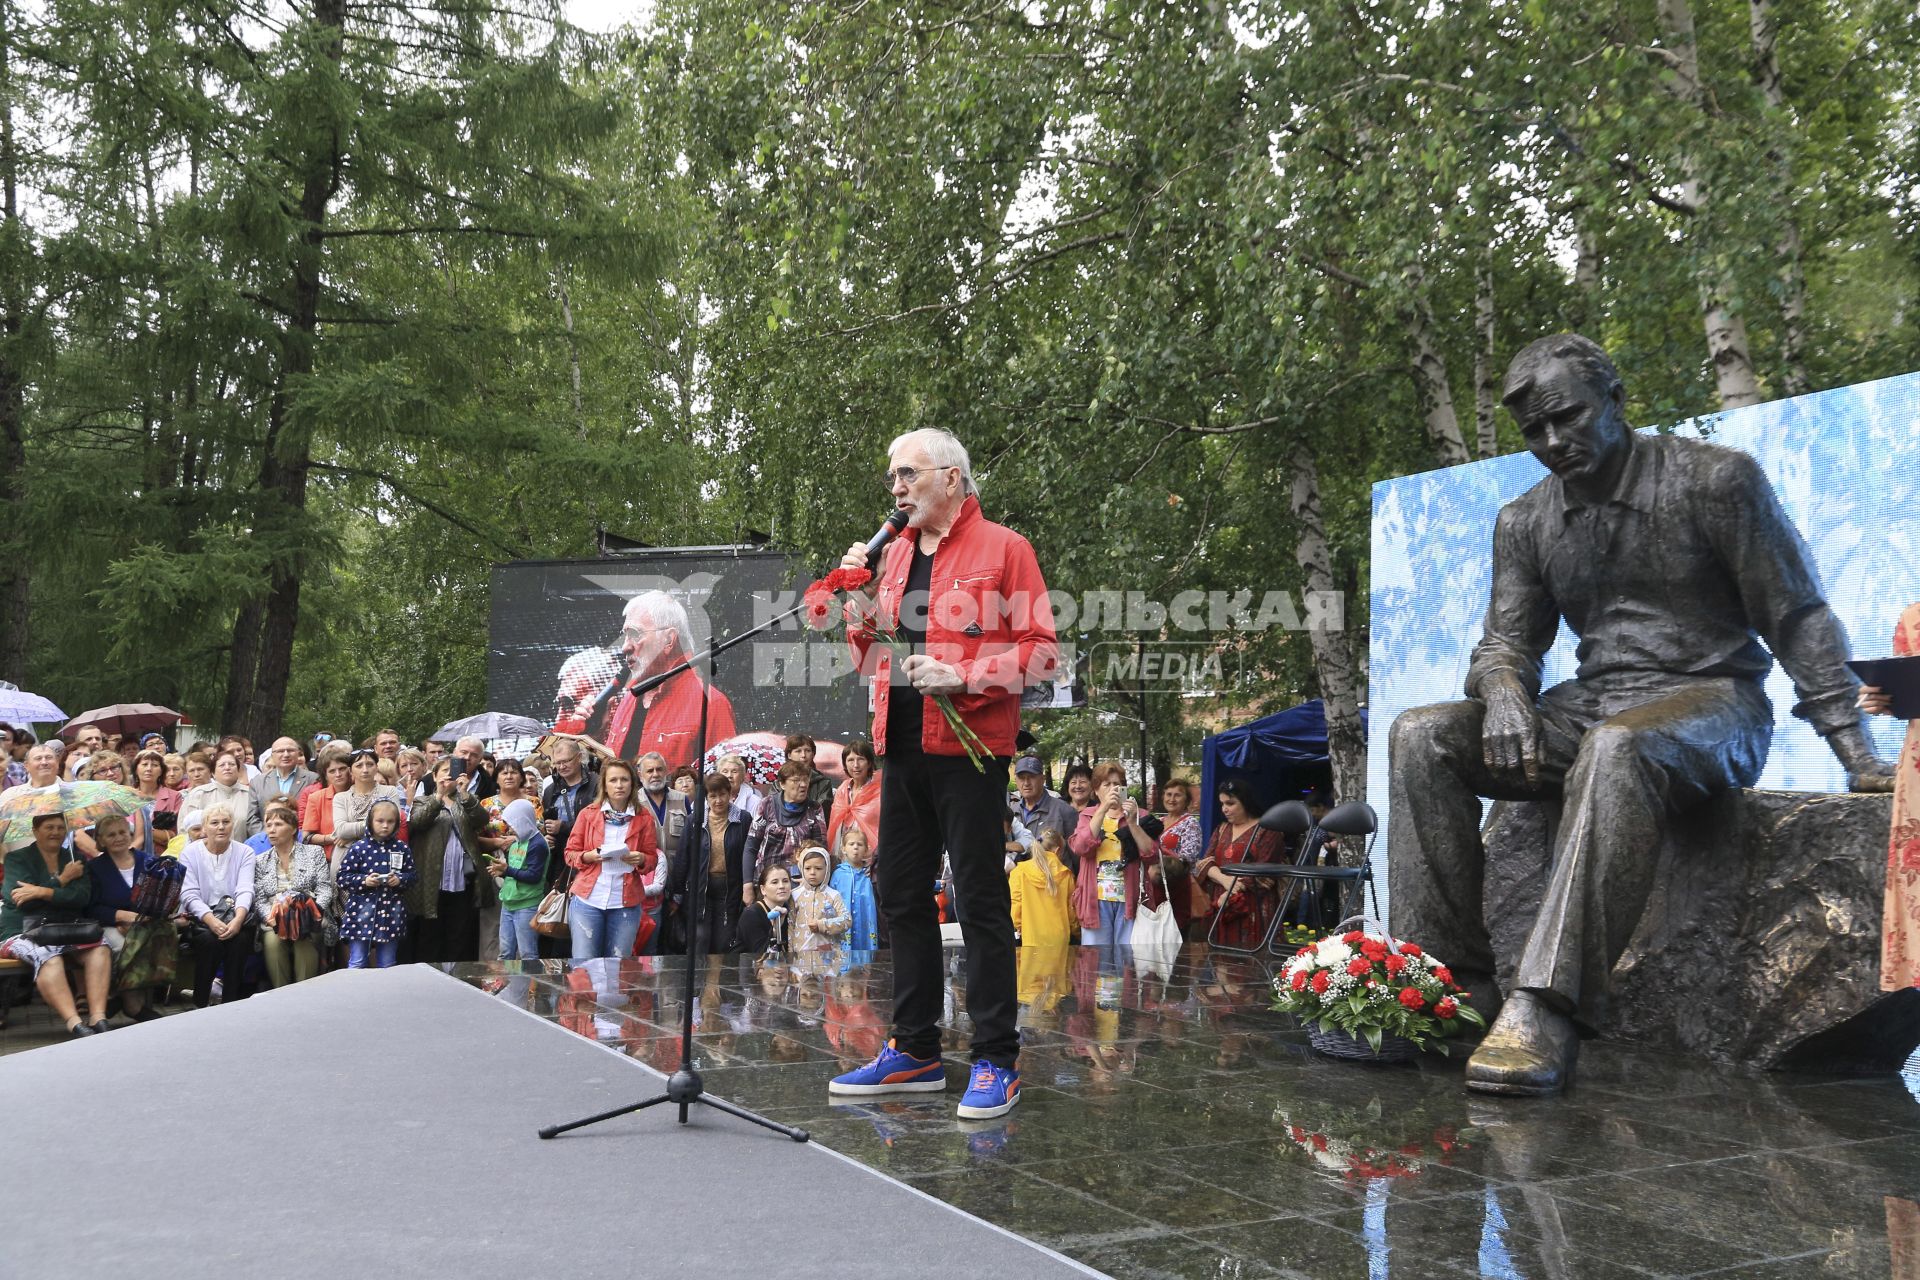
(1683, 571)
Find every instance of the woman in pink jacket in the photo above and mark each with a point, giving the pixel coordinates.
(613, 849)
(1110, 840)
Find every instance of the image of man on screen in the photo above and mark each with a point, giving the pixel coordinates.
(655, 637)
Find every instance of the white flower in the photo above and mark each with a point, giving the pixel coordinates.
(1332, 951)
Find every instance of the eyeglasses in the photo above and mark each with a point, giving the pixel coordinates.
(636, 634)
(907, 475)
(323, 737)
(362, 754)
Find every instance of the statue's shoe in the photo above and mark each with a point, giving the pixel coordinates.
(1529, 1052)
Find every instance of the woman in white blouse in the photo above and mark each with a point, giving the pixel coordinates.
(217, 895)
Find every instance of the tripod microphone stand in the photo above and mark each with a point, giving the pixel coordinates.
(685, 1089)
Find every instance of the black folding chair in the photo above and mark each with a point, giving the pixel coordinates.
(1291, 818)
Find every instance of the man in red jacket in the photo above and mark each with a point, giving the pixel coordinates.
(968, 595)
(656, 636)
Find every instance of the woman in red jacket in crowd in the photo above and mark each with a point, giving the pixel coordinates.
(612, 850)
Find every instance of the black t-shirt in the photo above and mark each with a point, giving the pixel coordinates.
(906, 707)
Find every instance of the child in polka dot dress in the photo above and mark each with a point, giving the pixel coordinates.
(373, 875)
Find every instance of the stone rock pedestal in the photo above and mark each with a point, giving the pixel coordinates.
(1761, 941)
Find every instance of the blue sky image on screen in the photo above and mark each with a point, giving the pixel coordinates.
(1846, 466)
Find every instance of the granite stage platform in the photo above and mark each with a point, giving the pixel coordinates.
(1173, 1126)
(384, 1124)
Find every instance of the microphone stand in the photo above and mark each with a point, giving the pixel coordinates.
(684, 1088)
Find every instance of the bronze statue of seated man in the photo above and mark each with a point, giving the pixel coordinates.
(1671, 560)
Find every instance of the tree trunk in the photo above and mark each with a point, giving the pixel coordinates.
(1586, 271)
(1486, 375)
(1332, 648)
(1788, 249)
(573, 360)
(285, 461)
(15, 569)
(1728, 348)
(1429, 370)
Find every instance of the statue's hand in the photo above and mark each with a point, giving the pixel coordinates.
(1866, 771)
(1510, 735)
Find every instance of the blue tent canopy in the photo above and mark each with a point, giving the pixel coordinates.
(1264, 753)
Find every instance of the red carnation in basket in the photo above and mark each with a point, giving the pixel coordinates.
(1412, 998)
(1374, 949)
(1411, 949)
(1447, 1007)
(1359, 966)
(1396, 965)
(1299, 980)
(1443, 973)
(1353, 939)
(1319, 983)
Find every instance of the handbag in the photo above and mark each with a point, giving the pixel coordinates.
(43, 932)
(295, 917)
(1154, 928)
(156, 888)
(550, 917)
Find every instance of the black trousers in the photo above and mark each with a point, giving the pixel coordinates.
(714, 934)
(929, 803)
(229, 958)
(453, 937)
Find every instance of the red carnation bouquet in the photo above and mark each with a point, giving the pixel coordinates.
(1360, 1145)
(819, 608)
(1370, 986)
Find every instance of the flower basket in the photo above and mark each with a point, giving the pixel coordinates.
(1369, 997)
(1338, 1044)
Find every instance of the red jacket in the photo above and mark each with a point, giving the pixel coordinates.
(988, 618)
(589, 829)
(671, 720)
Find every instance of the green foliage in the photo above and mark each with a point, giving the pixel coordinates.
(686, 282)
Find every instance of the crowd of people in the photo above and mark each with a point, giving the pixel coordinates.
(322, 854)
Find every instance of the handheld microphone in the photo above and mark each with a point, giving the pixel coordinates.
(618, 682)
(888, 531)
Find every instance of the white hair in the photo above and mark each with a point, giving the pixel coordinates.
(462, 744)
(943, 449)
(662, 610)
(217, 807)
(651, 755)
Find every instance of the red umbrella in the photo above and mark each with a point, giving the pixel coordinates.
(124, 718)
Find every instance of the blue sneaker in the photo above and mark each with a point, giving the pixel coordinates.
(991, 1092)
(892, 1072)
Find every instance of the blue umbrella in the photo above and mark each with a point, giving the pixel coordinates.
(20, 707)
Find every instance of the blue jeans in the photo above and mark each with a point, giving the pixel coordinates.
(1114, 935)
(598, 932)
(518, 941)
(385, 954)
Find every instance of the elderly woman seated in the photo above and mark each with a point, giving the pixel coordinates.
(49, 882)
(147, 946)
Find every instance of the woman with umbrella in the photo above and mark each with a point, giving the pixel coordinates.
(45, 880)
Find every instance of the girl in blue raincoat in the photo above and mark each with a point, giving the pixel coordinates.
(853, 881)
